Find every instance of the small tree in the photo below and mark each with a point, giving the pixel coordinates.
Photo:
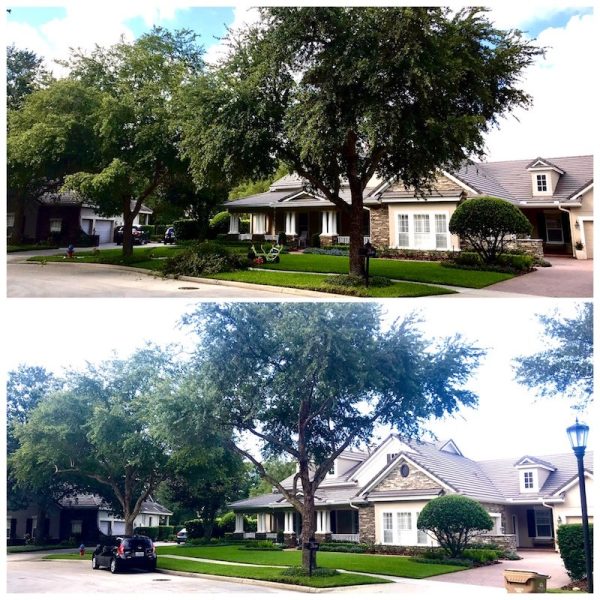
(454, 520)
(487, 223)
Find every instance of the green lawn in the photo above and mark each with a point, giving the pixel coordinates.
(421, 271)
(399, 566)
(317, 282)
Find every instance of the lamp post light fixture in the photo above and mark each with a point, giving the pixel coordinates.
(578, 437)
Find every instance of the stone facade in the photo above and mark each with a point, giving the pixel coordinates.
(366, 524)
(416, 480)
(497, 508)
(327, 240)
(533, 248)
(506, 541)
(380, 226)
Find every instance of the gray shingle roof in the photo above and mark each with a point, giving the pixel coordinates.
(512, 181)
(94, 501)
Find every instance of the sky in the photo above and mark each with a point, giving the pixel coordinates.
(508, 422)
(558, 124)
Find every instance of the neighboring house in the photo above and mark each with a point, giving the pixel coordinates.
(66, 218)
(377, 497)
(555, 194)
(82, 516)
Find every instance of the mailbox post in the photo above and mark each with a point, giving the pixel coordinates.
(312, 546)
(367, 251)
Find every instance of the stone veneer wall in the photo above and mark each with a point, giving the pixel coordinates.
(380, 226)
(416, 480)
(366, 524)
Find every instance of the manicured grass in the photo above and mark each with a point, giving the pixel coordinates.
(421, 271)
(27, 247)
(86, 556)
(266, 574)
(31, 548)
(399, 566)
(317, 283)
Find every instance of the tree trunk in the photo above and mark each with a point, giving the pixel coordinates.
(357, 262)
(308, 530)
(40, 534)
(128, 217)
(129, 519)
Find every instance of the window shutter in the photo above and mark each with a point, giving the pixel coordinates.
(530, 523)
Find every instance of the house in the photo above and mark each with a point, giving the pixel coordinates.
(67, 218)
(376, 497)
(555, 194)
(82, 516)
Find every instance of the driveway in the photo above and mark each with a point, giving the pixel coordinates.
(544, 562)
(566, 278)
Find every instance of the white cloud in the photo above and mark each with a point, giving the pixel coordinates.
(561, 85)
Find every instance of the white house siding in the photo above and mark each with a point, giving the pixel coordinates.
(582, 223)
(421, 241)
(570, 510)
(378, 460)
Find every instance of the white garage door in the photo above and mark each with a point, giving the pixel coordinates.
(104, 230)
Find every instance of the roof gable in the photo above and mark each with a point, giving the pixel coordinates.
(539, 164)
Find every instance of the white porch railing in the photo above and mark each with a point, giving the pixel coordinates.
(345, 537)
(245, 236)
(345, 239)
(249, 535)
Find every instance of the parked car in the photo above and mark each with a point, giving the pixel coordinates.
(169, 236)
(182, 536)
(126, 552)
(139, 235)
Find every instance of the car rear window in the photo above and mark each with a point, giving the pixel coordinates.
(135, 543)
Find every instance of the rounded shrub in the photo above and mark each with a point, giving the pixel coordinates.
(570, 546)
(207, 258)
(219, 223)
(453, 520)
(486, 223)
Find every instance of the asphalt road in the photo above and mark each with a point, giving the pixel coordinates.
(29, 574)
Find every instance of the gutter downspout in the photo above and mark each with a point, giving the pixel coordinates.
(565, 210)
(552, 509)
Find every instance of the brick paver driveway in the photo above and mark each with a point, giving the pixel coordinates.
(566, 278)
(545, 562)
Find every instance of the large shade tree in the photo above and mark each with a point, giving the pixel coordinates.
(96, 435)
(565, 367)
(25, 72)
(306, 381)
(340, 95)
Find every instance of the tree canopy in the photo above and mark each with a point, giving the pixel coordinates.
(95, 434)
(565, 367)
(341, 94)
(25, 72)
(306, 381)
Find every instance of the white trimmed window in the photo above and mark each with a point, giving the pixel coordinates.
(403, 232)
(554, 230)
(543, 524)
(76, 527)
(55, 225)
(422, 231)
(528, 480)
(10, 220)
(441, 232)
(404, 520)
(388, 528)
(541, 182)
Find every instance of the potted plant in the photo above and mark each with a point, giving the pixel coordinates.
(579, 250)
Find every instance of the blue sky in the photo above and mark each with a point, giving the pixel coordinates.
(557, 124)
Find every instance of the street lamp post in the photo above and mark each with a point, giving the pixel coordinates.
(578, 437)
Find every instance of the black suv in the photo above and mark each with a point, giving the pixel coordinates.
(138, 234)
(125, 552)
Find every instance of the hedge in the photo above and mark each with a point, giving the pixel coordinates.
(151, 532)
(187, 229)
(570, 545)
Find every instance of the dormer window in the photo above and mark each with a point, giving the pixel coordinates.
(528, 480)
(542, 183)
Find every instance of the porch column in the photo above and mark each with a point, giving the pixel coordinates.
(290, 223)
(234, 223)
(333, 222)
(288, 522)
(260, 523)
(328, 222)
(239, 523)
(323, 521)
(259, 223)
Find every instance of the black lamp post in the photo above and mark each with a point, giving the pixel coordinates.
(578, 437)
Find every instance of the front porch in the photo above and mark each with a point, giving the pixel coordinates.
(299, 226)
(339, 525)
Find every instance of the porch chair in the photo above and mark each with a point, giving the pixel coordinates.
(302, 240)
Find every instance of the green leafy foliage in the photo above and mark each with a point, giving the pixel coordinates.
(25, 72)
(570, 546)
(207, 258)
(486, 223)
(481, 556)
(340, 94)
(453, 520)
(565, 367)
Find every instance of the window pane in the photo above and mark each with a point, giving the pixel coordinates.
(387, 528)
(422, 237)
(403, 240)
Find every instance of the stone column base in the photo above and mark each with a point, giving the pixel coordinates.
(327, 240)
(290, 540)
(323, 537)
(237, 536)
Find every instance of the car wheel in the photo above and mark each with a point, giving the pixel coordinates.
(95, 564)
(114, 568)
(152, 566)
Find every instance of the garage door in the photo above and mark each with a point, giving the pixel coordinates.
(588, 229)
(104, 230)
